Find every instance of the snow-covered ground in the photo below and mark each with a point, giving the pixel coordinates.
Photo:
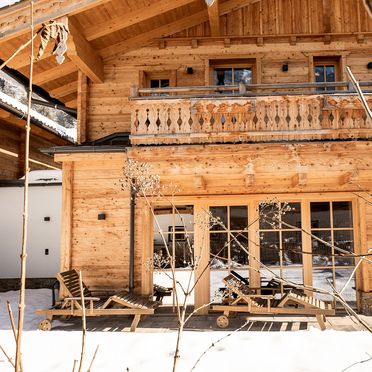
(307, 351)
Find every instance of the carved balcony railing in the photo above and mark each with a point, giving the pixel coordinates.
(229, 119)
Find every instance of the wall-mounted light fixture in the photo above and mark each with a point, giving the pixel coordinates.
(47, 218)
(189, 70)
(101, 216)
(369, 65)
(285, 67)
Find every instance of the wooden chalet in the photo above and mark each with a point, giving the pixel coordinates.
(236, 102)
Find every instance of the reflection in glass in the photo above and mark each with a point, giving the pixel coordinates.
(292, 247)
(292, 217)
(221, 213)
(320, 215)
(239, 251)
(242, 75)
(238, 218)
(342, 214)
(322, 279)
(322, 253)
(219, 250)
(269, 248)
(344, 240)
(269, 216)
(294, 275)
(349, 294)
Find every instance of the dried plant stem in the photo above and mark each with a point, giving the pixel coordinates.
(21, 305)
(84, 321)
(7, 356)
(11, 318)
(94, 357)
(74, 366)
(359, 91)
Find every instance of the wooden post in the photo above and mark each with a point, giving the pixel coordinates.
(66, 221)
(254, 244)
(82, 98)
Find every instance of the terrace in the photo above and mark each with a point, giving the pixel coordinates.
(249, 113)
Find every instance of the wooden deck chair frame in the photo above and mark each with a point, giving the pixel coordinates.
(121, 303)
(249, 301)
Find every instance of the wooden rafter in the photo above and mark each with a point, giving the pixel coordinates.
(82, 53)
(171, 28)
(214, 16)
(15, 20)
(54, 73)
(117, 23)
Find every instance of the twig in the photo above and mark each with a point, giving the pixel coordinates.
(11, 318)
(7, 356)
(22, 290)
(73, 367)
(359, 91)
(84, 321)
(94, 357)
(213, 344)
(354, 364)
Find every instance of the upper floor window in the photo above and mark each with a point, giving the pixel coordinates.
(159, 83)
(326, 70)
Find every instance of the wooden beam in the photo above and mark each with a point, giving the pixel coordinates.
(64, 90)
(66, 223)
(214, 17)
(82, 97)
(54, 73)
(299, 180)
(200, 183)
(132, 17)
(349, 177)
(82, 53)
(195, 19)
(15, 20)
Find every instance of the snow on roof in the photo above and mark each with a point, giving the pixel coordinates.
(68, 133)
(4, 3)
(45, 176)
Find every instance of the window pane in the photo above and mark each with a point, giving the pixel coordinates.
(322, 253)
(320, 215)
(292, 217)
(343, 239)
(219, 250)
(238, 218)
(319, 74)
(184, 218)
(154, 83)
(184, 250)
(242, 75)
(342, 214)
(269, 216)
(294, 275)
(321, 280)
(330, 73)
(164, 83)
(217, 286)
(221, 213)
(239, 251)
(292, 248)
(269, 248)
(349, 294)
(223, 76)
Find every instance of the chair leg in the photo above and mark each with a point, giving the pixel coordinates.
(135, 322)
(321, 321)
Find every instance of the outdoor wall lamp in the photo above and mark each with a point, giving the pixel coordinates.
(285, 67)
(369, 65)
(101, 216)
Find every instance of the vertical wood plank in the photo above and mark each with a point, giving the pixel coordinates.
(66, 220)
(306, 243)
(254, 243)
(82, 97)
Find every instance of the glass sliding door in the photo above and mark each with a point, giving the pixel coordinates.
(174, 247)
(228, 245)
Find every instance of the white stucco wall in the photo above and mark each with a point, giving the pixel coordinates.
(44, 201)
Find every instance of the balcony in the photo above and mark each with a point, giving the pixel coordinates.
(254, 113)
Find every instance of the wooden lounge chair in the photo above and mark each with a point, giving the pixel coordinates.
(246, 299)
(122, 303)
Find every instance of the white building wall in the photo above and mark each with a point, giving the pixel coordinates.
(44, 201)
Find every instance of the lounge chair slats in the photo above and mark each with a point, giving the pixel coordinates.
(121, 303)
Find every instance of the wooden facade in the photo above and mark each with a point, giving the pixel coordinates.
(281, 135)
